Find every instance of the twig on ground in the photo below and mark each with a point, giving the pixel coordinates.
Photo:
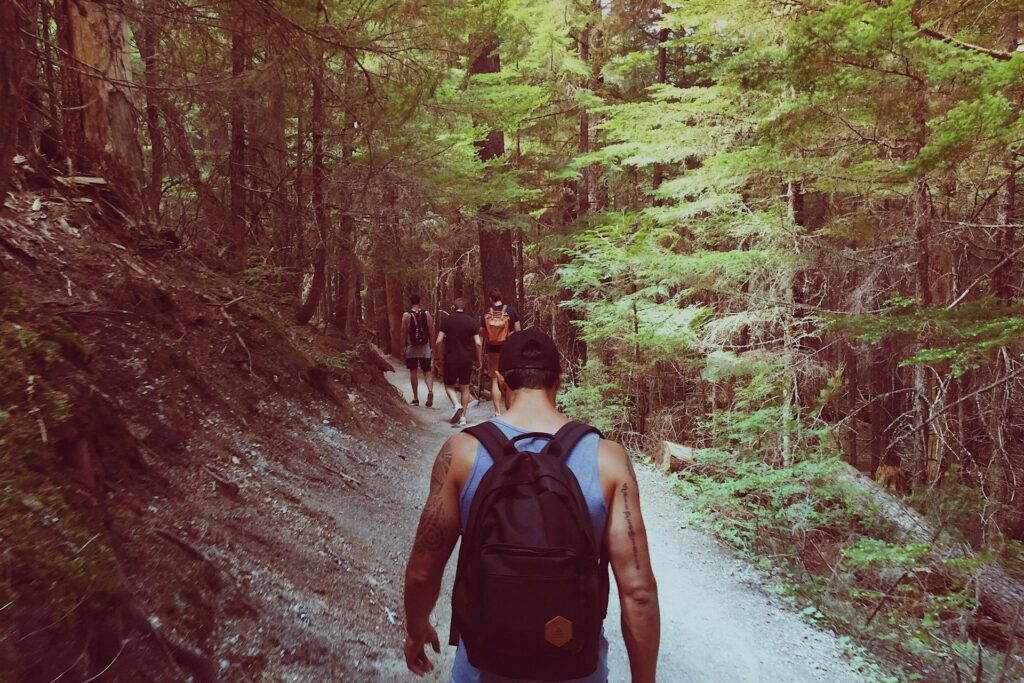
(226, 304)
(73, 665)
(246, 348)
(212, 573)
(349, 479)
(231, 487)
(107, 667)
(86, 545)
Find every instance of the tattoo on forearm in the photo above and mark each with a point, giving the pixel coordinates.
(629, 524)
(429, 534)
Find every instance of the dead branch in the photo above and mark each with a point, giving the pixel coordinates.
(229, 486)
(212, 573)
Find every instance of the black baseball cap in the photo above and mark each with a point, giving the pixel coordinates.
(539, 347)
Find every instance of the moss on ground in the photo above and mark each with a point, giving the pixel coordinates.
(56, 571)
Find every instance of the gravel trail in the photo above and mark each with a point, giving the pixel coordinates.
(719, 624)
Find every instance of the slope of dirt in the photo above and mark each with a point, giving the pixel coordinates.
(206, 492)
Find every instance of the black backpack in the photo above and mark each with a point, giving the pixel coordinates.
(531, 589)
(418, 328)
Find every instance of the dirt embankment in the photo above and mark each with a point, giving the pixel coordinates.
(191, 486)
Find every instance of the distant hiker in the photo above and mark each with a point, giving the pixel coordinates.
(461, 347)
(496, 324)
(543, 505)
(418, 331)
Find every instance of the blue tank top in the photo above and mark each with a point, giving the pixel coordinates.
(583, 464)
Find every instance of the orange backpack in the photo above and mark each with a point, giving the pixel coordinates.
(497, 325)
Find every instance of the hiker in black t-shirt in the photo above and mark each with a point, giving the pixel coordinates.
(496, 324)
(418, 331)
(461, 350)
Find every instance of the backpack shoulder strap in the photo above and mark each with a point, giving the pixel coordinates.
(491, 437)
(568, 436)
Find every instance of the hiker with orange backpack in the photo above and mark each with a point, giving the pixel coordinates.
(496, 324)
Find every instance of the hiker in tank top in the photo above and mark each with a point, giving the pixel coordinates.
(418, 333)
(529, 365)
(496, 324)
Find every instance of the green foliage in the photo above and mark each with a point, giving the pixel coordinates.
(595, 399)
(960, 338)
(344, 361)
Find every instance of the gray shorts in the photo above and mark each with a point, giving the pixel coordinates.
(421, 351)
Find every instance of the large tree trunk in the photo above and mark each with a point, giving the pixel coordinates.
(208, 199)
(584, 189)
(394, 299)
(99, 117)
(277, 163)
(11, 23)
(319, 204)
(1001, 279)
(149, 42)
(316, 288)
(236, 155)
(661, 77)
(497, 269)
(343, 303)
(922, 382)
(377, 308)
(297, 232)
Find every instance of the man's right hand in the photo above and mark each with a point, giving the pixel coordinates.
(415, 653)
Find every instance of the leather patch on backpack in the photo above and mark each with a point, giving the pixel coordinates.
(558, 631)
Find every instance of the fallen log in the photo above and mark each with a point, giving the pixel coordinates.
(1000, 595)
(672, 457)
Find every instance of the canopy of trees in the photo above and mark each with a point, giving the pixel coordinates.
(775, 228)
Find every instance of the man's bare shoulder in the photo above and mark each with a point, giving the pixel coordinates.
(461, 444)
(614, 463)
(462, 450)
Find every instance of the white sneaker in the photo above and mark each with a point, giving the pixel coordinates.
(457, 414)
(462, 422)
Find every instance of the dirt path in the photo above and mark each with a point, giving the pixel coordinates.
(718, 622)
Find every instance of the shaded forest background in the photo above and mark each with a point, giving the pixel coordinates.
(781, 233)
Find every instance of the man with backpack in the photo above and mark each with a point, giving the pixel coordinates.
(417, 331)
(461, 346)
(543, 506)
(496, 324)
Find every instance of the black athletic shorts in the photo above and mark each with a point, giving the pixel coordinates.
(457, 372)
(422, 363)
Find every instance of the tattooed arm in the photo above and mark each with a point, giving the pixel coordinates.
(631, 562)
(435, 538)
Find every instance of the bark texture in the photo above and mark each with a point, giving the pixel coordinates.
(11, 23)
(100, 126)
